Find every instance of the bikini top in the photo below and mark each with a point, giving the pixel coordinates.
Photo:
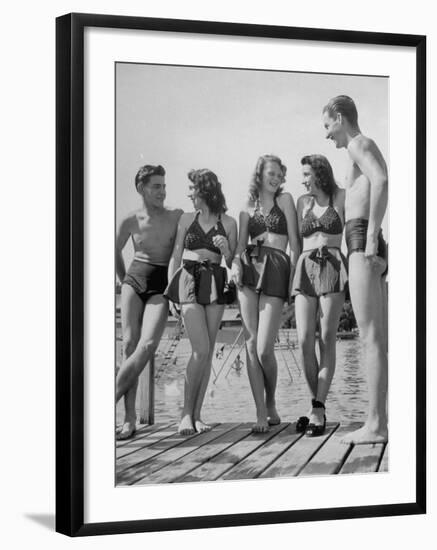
(196, 238)
(274, 222)
(329, 222)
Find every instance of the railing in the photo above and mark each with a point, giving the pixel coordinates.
(146, 393)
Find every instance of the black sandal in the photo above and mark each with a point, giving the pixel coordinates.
(302, 424)
(314, 430)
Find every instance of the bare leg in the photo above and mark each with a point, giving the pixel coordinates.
(330, 311)
(270, 309)
(368, 303)
(154, 319)
(214, 314)
(196, 327)
(306, 320)
(132, 308)
(249, 315)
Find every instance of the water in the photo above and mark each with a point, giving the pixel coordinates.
(229, 398)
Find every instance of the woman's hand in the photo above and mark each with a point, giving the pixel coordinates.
(237, 272)
(222, 243)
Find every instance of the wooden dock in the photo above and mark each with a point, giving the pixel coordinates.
(158, 454)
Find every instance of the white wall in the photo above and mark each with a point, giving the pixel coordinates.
(27, 226)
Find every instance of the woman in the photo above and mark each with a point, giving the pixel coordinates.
(319, 283)
(263, 274)
(203, 237)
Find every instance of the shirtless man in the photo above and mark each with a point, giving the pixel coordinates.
(144, 310)
(365, 206)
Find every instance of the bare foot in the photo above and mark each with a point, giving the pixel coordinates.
(261, 425)
(186, 426)
(201, 426)
(273, 418)
(126, 431)
(366, 435)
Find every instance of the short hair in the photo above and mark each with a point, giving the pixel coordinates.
(344, 105)
(146, 172)
(209, 189)
(255, 184)
(323, 173)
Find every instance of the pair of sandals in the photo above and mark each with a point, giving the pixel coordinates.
(303, 424)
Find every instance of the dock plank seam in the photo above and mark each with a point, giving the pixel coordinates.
(174, 444)
(156, 467)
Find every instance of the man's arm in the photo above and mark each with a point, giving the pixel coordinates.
(371, 163)
(178, 248)
(123, 233)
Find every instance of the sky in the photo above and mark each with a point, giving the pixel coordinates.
(224, 119)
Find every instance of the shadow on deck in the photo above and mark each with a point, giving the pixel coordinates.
(158, 454)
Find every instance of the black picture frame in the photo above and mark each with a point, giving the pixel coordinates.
(70, 272)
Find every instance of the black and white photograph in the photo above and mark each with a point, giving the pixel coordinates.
(251, 274)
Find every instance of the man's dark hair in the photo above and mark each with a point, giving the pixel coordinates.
(146, 172)
(344, 105)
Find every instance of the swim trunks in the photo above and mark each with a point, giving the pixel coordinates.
(356, 238)
(146, 279)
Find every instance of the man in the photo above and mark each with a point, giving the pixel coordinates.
(365, 206)
(144, 310)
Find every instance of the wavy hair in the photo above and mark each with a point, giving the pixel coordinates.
(256, 183)
(209, 189)
(344, 105)
(146, 172)
(323, 173)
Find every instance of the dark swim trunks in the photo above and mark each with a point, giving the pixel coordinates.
(146, 279)
(356, 238)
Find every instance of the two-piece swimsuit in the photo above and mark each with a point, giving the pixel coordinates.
(266, 269)
(201, 282)
(322, 270)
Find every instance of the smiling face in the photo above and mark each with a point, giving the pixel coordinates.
(154, 191)
(334, 129)
(272, 177)
(194, 196)
(309, 179)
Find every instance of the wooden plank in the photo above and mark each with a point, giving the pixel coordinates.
(364, 458)
(332, 455)
(252, 466)
(137, 444)
(220, 464)
(146, 453)
(296, 457)
(172, 472)
(136, 473)
(383, 466)
(143, 430)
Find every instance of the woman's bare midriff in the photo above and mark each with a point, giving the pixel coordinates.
(273, 240)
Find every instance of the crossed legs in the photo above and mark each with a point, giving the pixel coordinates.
(318, 376)
(261, 317)
(202, 324)
(142, 330)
